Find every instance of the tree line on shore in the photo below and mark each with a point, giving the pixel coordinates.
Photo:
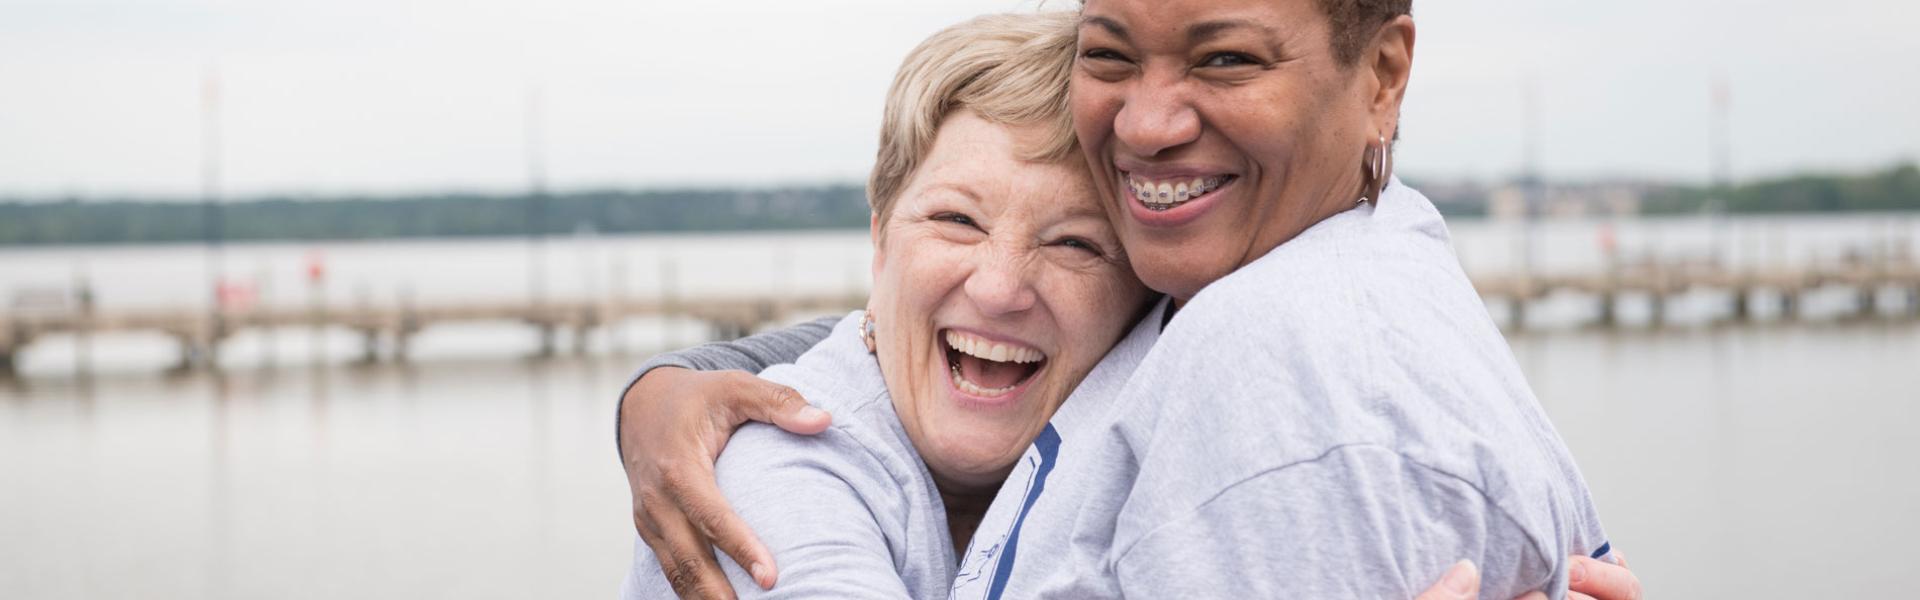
(1892, 189)
(106, 220)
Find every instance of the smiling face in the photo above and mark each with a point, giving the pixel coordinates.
(998, 284)
(1219, 129)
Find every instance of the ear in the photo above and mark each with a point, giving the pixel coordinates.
(1391, 59)
(879, 249)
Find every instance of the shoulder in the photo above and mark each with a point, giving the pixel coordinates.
(865, 452)
(1380, 524)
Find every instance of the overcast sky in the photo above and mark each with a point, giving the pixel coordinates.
(393, 96)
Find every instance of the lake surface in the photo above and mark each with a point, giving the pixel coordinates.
(1775, 460)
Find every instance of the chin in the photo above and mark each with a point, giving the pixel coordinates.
(1174, 277)
(974, 459)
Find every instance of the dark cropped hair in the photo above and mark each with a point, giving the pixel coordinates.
(1355, 21)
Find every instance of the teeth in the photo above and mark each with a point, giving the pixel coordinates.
(972, 388)
(980, 348)
(1165, 195)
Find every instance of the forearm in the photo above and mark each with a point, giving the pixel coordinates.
(751, 354)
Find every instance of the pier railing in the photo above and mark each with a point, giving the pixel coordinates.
(387, 330)
(1742, 288)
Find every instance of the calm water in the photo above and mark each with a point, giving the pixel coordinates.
(1719, 455)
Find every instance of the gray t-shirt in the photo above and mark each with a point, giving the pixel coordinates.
(1338, 419)
(849, 513)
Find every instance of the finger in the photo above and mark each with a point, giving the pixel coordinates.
(687, 560)
(1461, 582)
(1621, 557)
(1602, 580)
(1536, 595)
(698, 497)
(1577, 596)
(769, 402)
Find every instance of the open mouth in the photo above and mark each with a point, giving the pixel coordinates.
(1166, 194)
(987, 368)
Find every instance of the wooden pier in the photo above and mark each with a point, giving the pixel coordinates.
(387, 330)
(1659, 283)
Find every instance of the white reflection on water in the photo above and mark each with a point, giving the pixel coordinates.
(1720, 457)
(481, 479)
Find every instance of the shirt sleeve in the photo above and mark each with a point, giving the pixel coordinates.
(1358, 522)
(821, 506)
(752, 354)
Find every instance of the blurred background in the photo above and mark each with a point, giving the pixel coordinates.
(317, 299)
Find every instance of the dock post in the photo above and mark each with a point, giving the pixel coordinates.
(408, 325)
(8, 368)
(1657, 308)
(1868, 300)
(192, 354)
(370, 345)
(1608, 302)
(1789, 303)
(217, 330)
(546, 338)
(1742, 305)
(402, 341)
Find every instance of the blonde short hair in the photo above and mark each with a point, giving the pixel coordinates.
(1010, 69)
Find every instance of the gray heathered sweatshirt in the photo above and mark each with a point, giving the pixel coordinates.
(1338, 419)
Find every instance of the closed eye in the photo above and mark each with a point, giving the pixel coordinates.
(1228, 59)
(1104, 54)
(956, 218)
(1080, 244)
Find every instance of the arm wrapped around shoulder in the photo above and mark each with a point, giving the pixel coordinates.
(1357, 522)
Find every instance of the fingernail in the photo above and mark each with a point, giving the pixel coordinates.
(811, 413)
(1577, 574)
(762, 575)
(1460, 578)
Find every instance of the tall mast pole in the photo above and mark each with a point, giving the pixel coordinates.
(536, 198)
(211, 218)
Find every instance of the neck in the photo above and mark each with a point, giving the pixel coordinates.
(964, 512)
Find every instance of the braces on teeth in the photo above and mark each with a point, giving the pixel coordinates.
(1166, 195)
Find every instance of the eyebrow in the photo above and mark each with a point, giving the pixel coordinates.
(1110, 25)
(1196, 33)
(1208, 30)
(956, 188)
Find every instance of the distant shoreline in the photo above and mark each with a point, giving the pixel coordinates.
(67, 222)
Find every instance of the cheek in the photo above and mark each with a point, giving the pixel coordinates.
(1093, 105)
(1094, 309)
(915, 283)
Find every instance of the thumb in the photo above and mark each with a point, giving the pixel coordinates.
(1459, 583)
(770, 402)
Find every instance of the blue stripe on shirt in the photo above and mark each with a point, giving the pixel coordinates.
(1048, 445)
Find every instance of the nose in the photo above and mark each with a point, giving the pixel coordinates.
(1156, 117)
(1000, 285)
